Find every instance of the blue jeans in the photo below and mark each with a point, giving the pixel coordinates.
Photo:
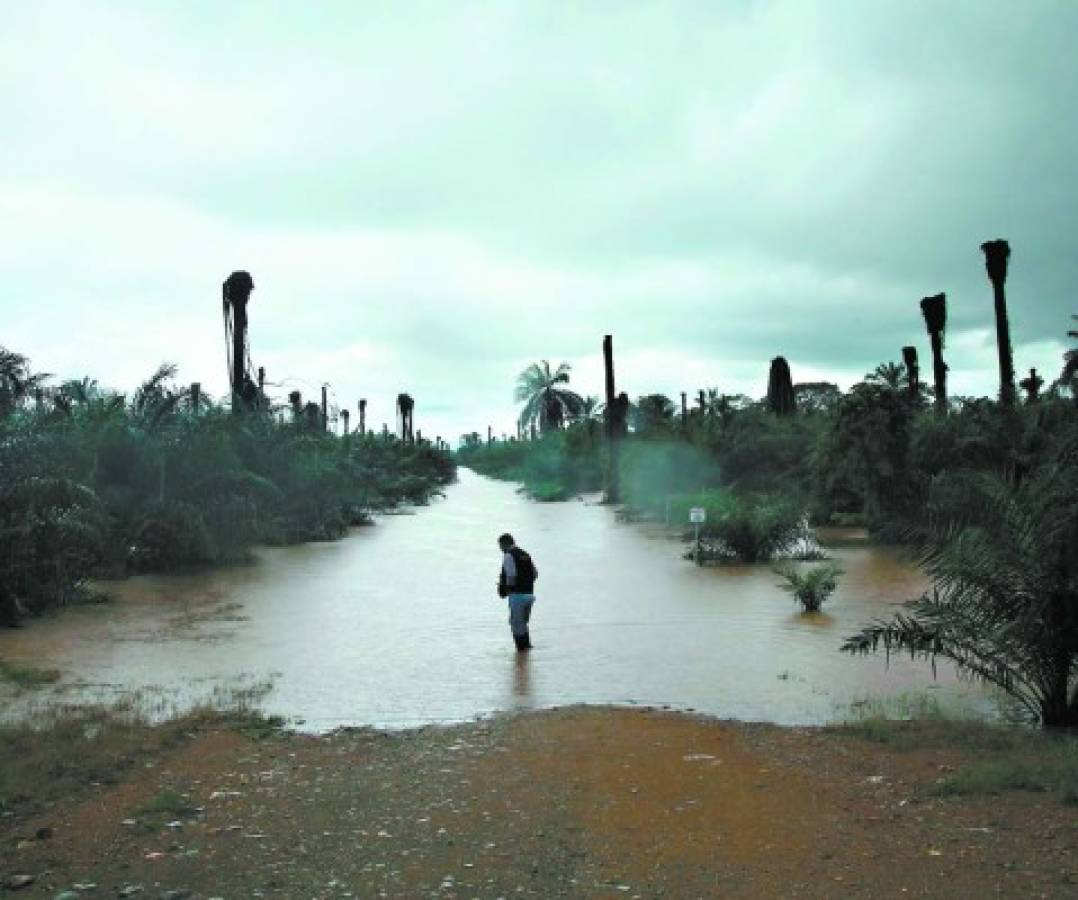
(520, 611)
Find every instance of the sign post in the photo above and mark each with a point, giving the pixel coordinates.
(697, 515)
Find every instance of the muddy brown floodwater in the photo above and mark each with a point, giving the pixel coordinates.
(399, 625)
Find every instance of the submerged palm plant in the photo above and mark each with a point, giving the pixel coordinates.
(547, 401)
(810, 588)
(1004, 605)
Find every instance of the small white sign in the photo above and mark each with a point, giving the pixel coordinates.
(697, 515)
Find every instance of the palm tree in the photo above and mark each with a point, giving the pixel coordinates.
(890, 375)
(1004, 605)
(652, 413)
(17, 382)
(157, 398)
(547, 402)
(591, 410)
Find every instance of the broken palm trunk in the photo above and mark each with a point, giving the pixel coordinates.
(235, 292)
(996, 256)
(934, 309)
(780, 388)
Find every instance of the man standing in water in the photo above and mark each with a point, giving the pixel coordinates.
(517, 582)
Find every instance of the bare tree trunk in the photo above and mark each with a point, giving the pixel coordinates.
(913, 372)
(345, 416)
(780, 388)
(934, 309)
(613, 489)
(235, 293)
(363, 417)
(996, 255)
(405, 408)
(325, 416)
(1032, 386)
(196, 396)
(684, 411)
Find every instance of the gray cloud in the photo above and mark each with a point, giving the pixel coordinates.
(430, 198)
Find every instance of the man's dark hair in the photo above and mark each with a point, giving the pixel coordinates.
(506, 538)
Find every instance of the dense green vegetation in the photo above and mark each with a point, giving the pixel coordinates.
(864, 456)
(94, 482)
(984, 492)
(1002, 554)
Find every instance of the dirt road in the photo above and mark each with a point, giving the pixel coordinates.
(578, 802)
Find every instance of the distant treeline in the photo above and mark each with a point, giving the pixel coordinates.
(96, 483)
(854, 457)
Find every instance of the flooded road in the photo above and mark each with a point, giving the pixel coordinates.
(400, 624)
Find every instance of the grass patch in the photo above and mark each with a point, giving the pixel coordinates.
(72, 749)
(999, 758)
(1047, 764)
(254, 725)
(66, 751)
(167, 802)
(549, 492)
(166, 805)
(27, 676)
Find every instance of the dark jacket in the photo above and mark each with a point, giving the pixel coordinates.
(524, 582)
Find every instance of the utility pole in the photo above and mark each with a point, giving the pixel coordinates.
(344, 419)
(684, 411)
(196, 396)
(325, 417)
(363, 416)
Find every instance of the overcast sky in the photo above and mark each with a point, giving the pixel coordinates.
(430, 196)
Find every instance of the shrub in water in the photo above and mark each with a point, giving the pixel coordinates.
(810, 588)
(757, 527)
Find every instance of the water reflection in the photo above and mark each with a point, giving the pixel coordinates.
(399, 624)
(522, 679)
